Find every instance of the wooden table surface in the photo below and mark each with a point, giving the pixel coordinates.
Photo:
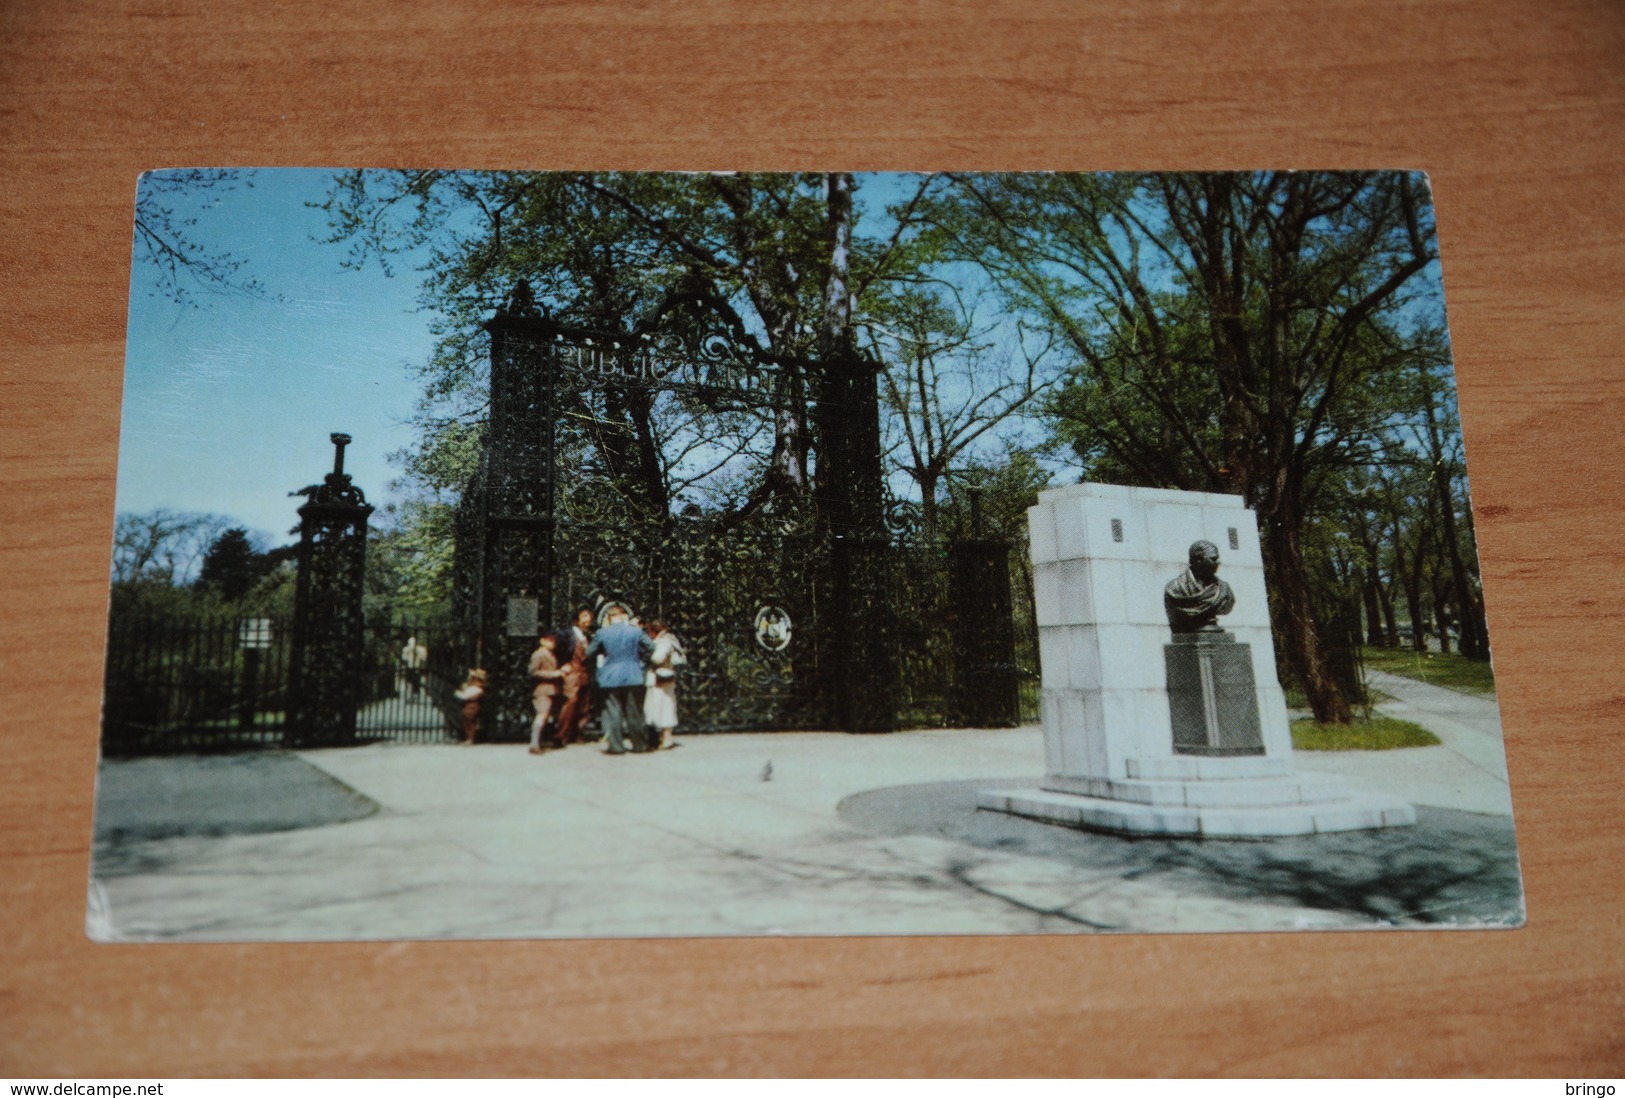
(1516, 110)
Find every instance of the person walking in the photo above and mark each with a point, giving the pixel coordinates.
(660, 683)
(414, 657)
(625, 649)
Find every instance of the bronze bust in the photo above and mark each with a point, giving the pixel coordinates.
(1198, 596)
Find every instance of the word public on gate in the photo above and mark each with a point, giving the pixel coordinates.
(713, 365)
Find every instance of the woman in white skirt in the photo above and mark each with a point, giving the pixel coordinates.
(660, 682)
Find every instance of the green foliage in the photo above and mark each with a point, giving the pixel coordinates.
(271, 595)
(1267, 334)
(409, 562)
(610, 251)
(234, 566)
(1448, 669)
(1251, 333)
(187, 566)
(1373, 734)
(441, 470)
(1224, 329)
(750, 253)
(989, 499)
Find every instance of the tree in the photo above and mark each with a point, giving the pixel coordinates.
(237, 570)
(954, 393)
(1412, 544)
(409, 559)
(773, 260)
(167, 209)
(187, 564)
(163, 545)
(233, 565)
(1231, 333)
(1443, 448)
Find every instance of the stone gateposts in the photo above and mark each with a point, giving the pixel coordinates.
(1157, 721)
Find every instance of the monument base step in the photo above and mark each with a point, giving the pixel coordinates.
(1289, 789)
(1352, 812)
(1183, 768)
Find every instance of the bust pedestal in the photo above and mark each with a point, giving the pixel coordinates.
(1212, 699)
(1143, 736)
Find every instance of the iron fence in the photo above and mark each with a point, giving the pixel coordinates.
(221, 683)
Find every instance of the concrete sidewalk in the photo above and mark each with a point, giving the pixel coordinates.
(782, 833)
(1467, 771)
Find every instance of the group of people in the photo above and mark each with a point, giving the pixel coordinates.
(629, 669)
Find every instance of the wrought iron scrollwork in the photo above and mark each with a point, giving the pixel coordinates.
(592, 499)
(904, 519)
(794, 615)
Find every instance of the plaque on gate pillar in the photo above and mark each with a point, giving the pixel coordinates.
(1212, 697)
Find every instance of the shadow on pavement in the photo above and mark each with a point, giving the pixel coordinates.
(214, 795)
(1451, 868)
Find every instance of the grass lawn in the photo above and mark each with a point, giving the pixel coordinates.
(1451, 671)
(1376, 734)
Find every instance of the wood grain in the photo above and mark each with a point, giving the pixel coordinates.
(1515, 109)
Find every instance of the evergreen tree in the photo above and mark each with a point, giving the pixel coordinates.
(232, 566)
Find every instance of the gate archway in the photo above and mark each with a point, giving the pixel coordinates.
(791, 613)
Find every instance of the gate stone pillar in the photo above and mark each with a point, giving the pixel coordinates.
(985, 693)
(325, 679)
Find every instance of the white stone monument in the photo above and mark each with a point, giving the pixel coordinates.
(1102, 555)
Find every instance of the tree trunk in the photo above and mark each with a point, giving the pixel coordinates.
(1410, 582)
(787, 467)
(1419, 621)
(1373, 609)
(1471, 643)
(849, 463)
(1386, 596)
(859, 651)
(630, 451)
(1441, 614)
(1295, 618)
(928, 481)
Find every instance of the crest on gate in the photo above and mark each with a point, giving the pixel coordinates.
(773, 628)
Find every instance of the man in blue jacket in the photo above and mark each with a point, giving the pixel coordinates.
(625, 649)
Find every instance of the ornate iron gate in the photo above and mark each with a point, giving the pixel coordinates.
(742, 601)
(817, 619)
(410, 676)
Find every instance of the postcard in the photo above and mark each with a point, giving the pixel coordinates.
(613, 554)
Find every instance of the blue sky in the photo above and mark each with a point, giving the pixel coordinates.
(228, 406)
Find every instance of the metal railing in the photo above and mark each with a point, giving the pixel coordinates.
(220, 683)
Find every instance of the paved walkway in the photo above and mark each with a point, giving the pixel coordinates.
(783, 833)
(1467, 771)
